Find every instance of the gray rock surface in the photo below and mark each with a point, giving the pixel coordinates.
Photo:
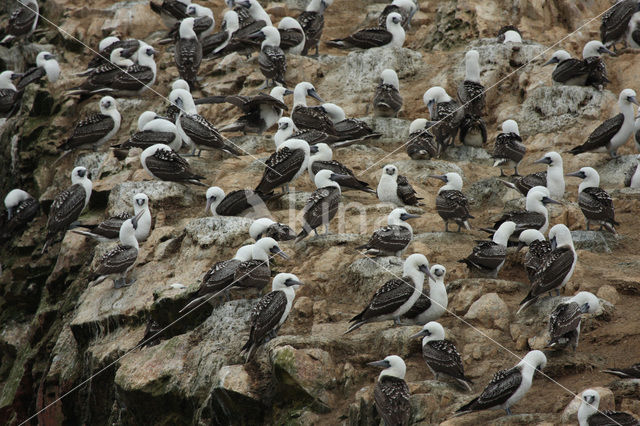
(161, 194)
(218, 231)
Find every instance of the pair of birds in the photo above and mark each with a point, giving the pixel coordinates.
(590, 71)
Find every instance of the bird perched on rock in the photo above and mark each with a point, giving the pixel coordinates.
(291, 36)
(597, 68)
(538, 249)
(441, 355)
(391, 393)
(552, 178)
(162, 163)
(204, 20)
(105, 47)
(451, 203)
(471, 90)
(632, 177)
(322, 205)
(392, 239)
(632, 372)
(596, 204)
(406, 8)
(633, 32)
(387, 100)
(508, 150)
(391, 35)
(312, 22)
(171, 11)
(431, 304)
(615, 22)
(233, 203)
(507, 387)
(502, 33)
(348, 129)
(265, 227)
(256, 272)
(615, 131)
(564, 322)
(445, 112)
(473, 131)
(322, 159)
(284, 166)
(188, 52)
(268, 315)
(22, 21)
(590, 415)
(22, 208)
(306, 117)
(46, 66)
(287, 130)
(255, 9)
(421, 144)
(260, 112)
(68, 204)
(395, 188)
(10, 96)
(568, 71)
(395, 297)
(272, 60)
(488, 257)
(153, 129)
(95, 129)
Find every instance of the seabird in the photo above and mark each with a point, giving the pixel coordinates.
(291, 36)
(564, 322)
(312, 23)
(596, 204)
(204, 20)
(321, 159)
(163, 163)
(488, 257)
(22, 208)
(272, 60)
(406, 9)
(507, 387)
(387, 100)
(473, 131)
(392, 239)
(105, 47)
(109, 230)
(153, 129)
(265, 227)
(188, 52)
(557, 266)
(194, 129)
(348, 129)
(636, 129)
(256, 273)
(451, 203)
(268, 315)
(171, 11)
(234, 203)
(615, 131)
(260, 112)
(95, 129)
(395, 188)
(441, 355)
(322, 205)
(306, 117)
(503, 30)
(511, 36)
(421, 144)
(471, 91)
(22, 22)
(445, 112)
(391, 393)
(68, 205)
(220, 43)
(632, 372)
(538, 250)
(596, 66)
(552, 178)
(589, 415)
(46, 65)
(430, 305)
(615, 22)
(10, 96)
(103, 74)
(121, 259)
(284, 166)
(391, 35)
(632, 177)
(568, 71)
(397, 295)
(633, 32)
(287, 130)
(508, 150)
(254, 8)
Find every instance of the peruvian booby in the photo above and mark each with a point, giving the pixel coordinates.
(431, 304)
(287, 130)
(194, 129)
(632, 177)
(109, 229)
(284, 166)
(153, 129)
(233, 203)
(473, 131)
(272, 60)
(446, 112)
(632, 372)
(596, 204)
(256, 272)
(95, 129)
(265, 227)
(392, 239)
(397, 295)
(105, 47)
(306, 117)
(590, 415)
(564, 322)
(260, 112)
(615, 131)
(103, 73)
(268, 315)
(552, 178)
(46, 66)
(513, 37)
(636, 130)
(390, 35)
(256, 11)
(538, 250)
(595, 64)
(22, 208)
(120, 260)
(22, 21)
(508, 150)
(322, 205)
(348, 129)
(507, 387)
(557, 266)
(387, 100)
(406, 9)
(204, 20)
(163, 163)
(489, 256)
(441, 355)
(568, 71)
(68, 204)
(171, 11)
(503, 30)
(291, 36)
(10, 96)
(224, 41)
(615, 21)
(188, 52)
(421, 145)
(451, 203)
(633, 32)
(395, 188)
(471, 90)
(322, 159)
(391, 393)
(312, 23)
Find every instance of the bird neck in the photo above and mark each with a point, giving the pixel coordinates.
(584, 412)
(393, 371)
(589, 182)
(258, 253)
(472, 70)
(536, 206)
(501, 237)
(300, 97)
(128, 237)
(397, 34)
(555, 180)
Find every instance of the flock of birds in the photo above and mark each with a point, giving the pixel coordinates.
(303, 143)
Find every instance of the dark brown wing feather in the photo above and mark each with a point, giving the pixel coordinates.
(66, 208)
(387, 299)
(366, 38)
(265, 316)
(501, 387)
(602, 135)
(453, 205)
(282, 166)
(597, 204)
(406, 193)
(443, 357)
(564, 319)
(321, 207)
(235, 202)
(312, 24)
(117, 261)
(392, 398)
(312, 118)
(553, 270)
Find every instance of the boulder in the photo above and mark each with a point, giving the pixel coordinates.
(488, 192)
(613, 171)
(463, 292)
(225, 231)
(234, 396)
(161, 194)
(367, 275)
(491, 311)
(595, 241)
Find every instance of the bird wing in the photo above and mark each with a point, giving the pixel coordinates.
(238, 201)
(312, 24)
(616, 21)
(290, 37)
(453, 204)
(147, 138)
(501, 387)
(168, 165)
(523, 219)
(31, 76)
(387, 299)
(252, 273)
(89, 130)
(525, 183)
(443, 357)
(251, 103)
(564, 319)
(602, 135)
(596, 204)
(629, 175)
(134, 78)
(117, 260)
(21, 20)
(387, 96)
(66, 208)
(487, 255)
(312, 118)
(510, 146)
(369, 37)
(392, 398)
(391, 238)
(472, 92)
(201, 131)
(321, 207)
(273, 62)
(406, 193)
(218, 276)
(266, 315)
(554, 268)
(188, 54)
(422, 140)
(612, 418)
(281, 167)
(110, 228)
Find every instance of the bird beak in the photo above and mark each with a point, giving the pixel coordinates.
(547, 200)
(288, 92)
(577, 174)
(313, 149)
(421, 333)
(634, 100)
(135, 220)
(315, 95)
(16, 75)
(209, 202)
(407, 216)
(605, 50)
(550, 61)
(425, 270)
(543, 160)
(520, 246)
(441, 177)
(554, 243)
(279, 252)
(290, 283)
(380, 364)
(10, 213)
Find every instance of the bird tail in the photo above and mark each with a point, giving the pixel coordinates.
(615, 372)
(577, 150)
(508, 184)
(250, 349)
(526, 302)
(236, 126)
(195, 181)
(355, 326)
(230, 148)
(364, 246)
(467, 408)
(466, 383)
(500, 162)
(6, 41)
(87, 234)
(210, 100)
(271, 196)
(302, 235)
(339, 43)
